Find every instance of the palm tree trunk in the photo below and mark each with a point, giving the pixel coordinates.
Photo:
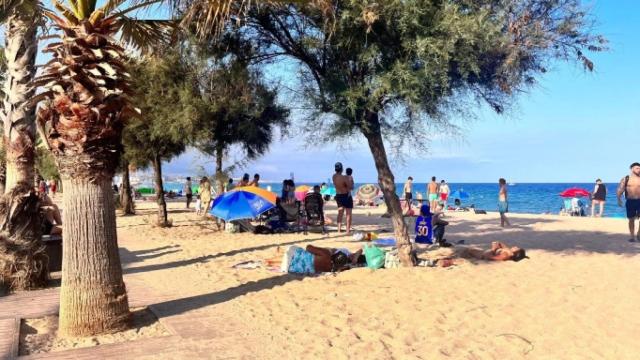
(125, 196)
(388, 187)
(23, 264)
(21, 46)
(93, 297)
(162, 204)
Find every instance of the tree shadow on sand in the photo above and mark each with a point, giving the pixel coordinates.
(207, 258)
(525, 235)
(179, 306)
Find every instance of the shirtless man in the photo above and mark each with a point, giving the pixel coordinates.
(344, 200)
(498, 252)
(432, 190)
(630, 187)
(408, 193)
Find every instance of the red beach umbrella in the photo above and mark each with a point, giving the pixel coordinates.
(575, 192)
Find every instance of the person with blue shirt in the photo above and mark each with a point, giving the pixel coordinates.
(424, 226)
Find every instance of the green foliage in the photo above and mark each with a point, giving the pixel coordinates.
(46, 164)
(386, 66)
(236, 107)
(165, 94)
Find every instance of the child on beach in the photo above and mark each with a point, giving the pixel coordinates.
(198, 206)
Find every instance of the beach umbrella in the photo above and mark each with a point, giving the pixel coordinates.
(245, 202)
(331, 191)
(459, 194)
(301, 192)
(367, 192)
(575, 192)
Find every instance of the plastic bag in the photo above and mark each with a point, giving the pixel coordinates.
(374, 256)
(391, 260)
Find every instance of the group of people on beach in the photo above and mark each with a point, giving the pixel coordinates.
(437, 193)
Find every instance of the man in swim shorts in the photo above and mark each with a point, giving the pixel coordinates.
(630, 187)
(344, 186)
(408, 193)
(432, 190)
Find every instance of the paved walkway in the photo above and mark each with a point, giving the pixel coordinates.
(192, 335)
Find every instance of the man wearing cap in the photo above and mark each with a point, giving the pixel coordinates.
(343, 196)
(630, 187)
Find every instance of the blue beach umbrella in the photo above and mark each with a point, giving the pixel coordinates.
(245, 202)
(459, 194)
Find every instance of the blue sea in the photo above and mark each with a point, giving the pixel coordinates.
(538, 198)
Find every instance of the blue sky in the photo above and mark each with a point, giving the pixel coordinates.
(573, 127)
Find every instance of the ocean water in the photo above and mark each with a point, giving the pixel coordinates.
(538, 198)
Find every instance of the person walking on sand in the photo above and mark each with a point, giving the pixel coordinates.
(344, 185)
(599, 198)
(444, 193)
(630, 187)
(503, 203)
(188, 193)
(205, 194)
(432, 191)
(408, 193)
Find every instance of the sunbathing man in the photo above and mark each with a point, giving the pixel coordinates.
(498, 252)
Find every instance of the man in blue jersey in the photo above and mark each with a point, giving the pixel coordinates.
(424, 226)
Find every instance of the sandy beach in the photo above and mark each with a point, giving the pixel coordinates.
(576, 297)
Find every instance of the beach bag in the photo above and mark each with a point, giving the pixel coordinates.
(374, 255)
(391, 260)
(231, 227)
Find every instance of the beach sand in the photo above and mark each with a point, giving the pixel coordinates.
(576, 297)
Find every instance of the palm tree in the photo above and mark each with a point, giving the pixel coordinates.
(18, 114)
(22, 263)
(85, 101)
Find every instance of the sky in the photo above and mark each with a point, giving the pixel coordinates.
(573, 127)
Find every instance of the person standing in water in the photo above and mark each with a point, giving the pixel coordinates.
(630, 187)
(599, 198)
(503, 203)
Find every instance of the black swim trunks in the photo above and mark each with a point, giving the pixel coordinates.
(408, 196)
(344, 201)
(633, 208)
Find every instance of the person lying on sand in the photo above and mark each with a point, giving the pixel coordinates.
(315, 259)
(498, 252)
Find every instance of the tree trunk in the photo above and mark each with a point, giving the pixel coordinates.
(388, 187)
(21, 46)
(126, 201)
(219, 175)
(23, 260)
(93, 297)
(162, 204)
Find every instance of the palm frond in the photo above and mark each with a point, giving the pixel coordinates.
(146, 34)
(211, 16)
(68, 13)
